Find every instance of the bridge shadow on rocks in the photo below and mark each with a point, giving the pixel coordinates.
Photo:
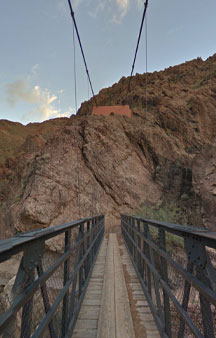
(155, 279)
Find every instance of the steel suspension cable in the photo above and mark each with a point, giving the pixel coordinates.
(138, 42)
(146, 38)
(81, 48)
(88, 88)
(75, 82)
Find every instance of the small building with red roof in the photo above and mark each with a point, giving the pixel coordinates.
(112, 110)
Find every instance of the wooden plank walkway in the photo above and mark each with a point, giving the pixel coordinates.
(115, 317)
(87, 322)
(114, 305)
(144, 324)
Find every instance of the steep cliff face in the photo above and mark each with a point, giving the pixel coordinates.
(204, 182)
(95, 164)
(90, 166)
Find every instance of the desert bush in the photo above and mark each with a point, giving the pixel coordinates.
(167, 212)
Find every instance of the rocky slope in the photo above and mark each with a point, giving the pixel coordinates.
(204, 182)
(14, 136)
(95, 164)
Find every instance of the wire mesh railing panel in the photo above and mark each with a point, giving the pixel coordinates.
(175, 320)
(176, 266)
(54, 285)
(33, 313)
(175, 282)
(44, 298)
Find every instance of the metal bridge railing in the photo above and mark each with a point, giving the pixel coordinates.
(176, 266)
(49, 287)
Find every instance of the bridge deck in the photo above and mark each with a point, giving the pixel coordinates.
(114, 305)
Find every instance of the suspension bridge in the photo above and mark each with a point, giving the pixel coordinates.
(103, 285)
(129, 284)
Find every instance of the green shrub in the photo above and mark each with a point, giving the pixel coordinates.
(167, 212)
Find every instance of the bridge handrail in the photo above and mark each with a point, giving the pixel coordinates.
(208, 237)
(13, 245)
(170, 282)
(69, 273)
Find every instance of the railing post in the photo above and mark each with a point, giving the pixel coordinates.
(164, 273)
(97, 224)
(65, 307)
(142, 263)
(207, 318)
(130, 234)
(187, 288)
(147, 253)
(26, 325)
(31, 258)
(123, 227)
(25, 276)
(80, 257)
(91, 254)
(198, 256)
(139, 262)
(155, 281)
(88, 244)
(136, 239)
(144, 252)
(85, 247)
(46, 301)
(93, 235)
(74, 282)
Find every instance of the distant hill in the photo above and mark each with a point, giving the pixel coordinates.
(14, 134)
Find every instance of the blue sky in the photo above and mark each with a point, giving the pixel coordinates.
(36, 58)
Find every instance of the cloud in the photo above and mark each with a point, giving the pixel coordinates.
(34, 69)
(100, 7)
(62, 8)
(76, 3)
(70, 111)
(19, 90)
(140, 3)
(44, 100)
(117, 8)
(122, 7)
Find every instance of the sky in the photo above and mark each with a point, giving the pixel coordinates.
(37, 54)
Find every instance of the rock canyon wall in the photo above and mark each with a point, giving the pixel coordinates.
(64, 169)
